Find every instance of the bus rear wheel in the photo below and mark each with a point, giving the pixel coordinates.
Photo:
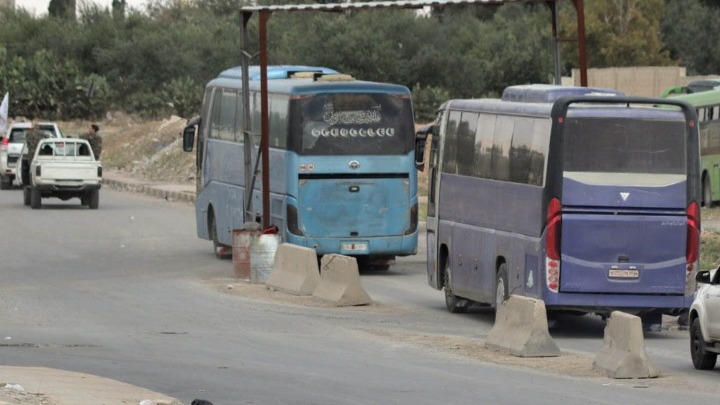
(453, 303)
(501, 286)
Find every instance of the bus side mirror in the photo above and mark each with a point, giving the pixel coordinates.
(420, 141)
(188, 138)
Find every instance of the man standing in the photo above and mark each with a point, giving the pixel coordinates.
(32, 138)
(95, 140)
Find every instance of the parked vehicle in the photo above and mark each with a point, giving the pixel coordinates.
(704, 320)
(342, 179)
(581, 197)
(63, 168)
(12, 147)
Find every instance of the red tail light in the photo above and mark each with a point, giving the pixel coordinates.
(5, 141)
(693, 232)
(554, 225)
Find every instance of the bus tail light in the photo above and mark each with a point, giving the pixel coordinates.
(552, 245)
(292, 221)
(693, 234)
(413, 220)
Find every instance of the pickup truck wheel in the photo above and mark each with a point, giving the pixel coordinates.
(35, 200)
(5, 183)
(702, 359)
(94, 199)
(26, 196)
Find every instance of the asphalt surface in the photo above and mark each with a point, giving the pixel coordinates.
(47, 386)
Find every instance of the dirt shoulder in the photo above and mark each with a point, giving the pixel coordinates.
(46, 386)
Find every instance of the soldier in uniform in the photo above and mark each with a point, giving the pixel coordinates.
(94, 139)
(32, 139)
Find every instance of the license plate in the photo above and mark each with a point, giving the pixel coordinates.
(624, 273)
(354, 246)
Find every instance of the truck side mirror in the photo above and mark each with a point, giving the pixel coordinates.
(188, 138)
(703, 277)
(420, 142)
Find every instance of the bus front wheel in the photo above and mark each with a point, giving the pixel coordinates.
(453, 303)
(221, 251)
(501, 286)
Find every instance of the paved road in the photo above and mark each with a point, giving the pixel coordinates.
(128, 292)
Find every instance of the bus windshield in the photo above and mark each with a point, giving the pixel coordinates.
(621, 145)
(353, 124)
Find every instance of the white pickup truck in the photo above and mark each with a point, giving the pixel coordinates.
(64, 168)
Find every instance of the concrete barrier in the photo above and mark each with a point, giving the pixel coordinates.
(521, 329)
(294, 271)
(340, 282)
(623, 353)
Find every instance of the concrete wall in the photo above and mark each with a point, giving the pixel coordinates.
(645, 81)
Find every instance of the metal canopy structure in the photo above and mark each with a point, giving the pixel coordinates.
(267, 11)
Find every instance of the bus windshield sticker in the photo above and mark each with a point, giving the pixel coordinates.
(333, 117)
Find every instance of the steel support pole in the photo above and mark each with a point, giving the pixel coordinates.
(582, 56)
(247, 124)
(264, 142)
(556, 40)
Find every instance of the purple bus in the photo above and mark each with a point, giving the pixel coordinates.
(584, 198)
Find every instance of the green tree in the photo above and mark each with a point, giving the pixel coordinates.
(619, 33)
(690, 32)
(62, 8)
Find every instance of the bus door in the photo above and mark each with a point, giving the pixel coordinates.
(427, 159)
(624, 205)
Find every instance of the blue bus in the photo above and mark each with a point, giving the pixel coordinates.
(342, 174)
(583, 198)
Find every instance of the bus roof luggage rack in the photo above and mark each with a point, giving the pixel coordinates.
(274, 72)
(337, 77)
(548, 93)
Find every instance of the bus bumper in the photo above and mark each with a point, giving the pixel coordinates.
(605, 304)
(404, 245)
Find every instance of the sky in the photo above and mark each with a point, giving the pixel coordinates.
(39, 7)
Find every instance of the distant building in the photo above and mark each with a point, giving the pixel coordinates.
(7, 3)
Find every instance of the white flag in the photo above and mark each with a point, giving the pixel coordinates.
(4, 115)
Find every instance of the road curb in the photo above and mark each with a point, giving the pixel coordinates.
(151, 190)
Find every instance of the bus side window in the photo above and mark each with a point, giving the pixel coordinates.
(465, 143)
(215, 123)
(227, 115)
(483, 145)
(539, 150)
(520, 150)
(279, 105)
(450, 141)
(500, 166)
(256, 117)
(239, 119)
